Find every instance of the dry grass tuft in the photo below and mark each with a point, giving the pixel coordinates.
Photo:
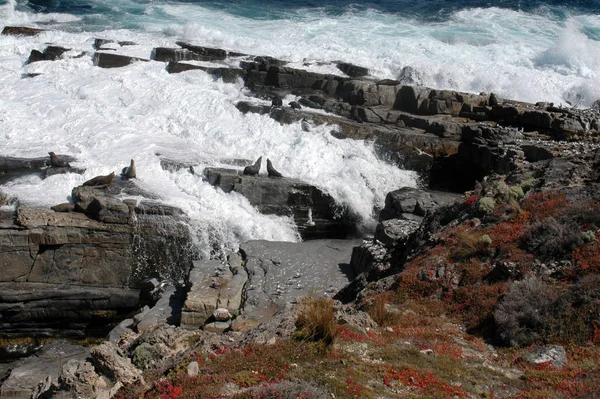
(316, 321)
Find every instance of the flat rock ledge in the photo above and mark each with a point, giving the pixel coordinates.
(65, 272)
(265, 276)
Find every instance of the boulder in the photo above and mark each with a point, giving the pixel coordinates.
(217, 327)
(212, 286)
(391, 232)
(367, 256)
(111, 362)
(51, 53)
(414, 201)
(167, 310)
(99, 43)
(410, 76)
(354, 71)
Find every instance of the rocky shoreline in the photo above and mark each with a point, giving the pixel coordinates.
(129, 266)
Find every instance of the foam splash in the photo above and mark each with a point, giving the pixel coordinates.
(107, 117)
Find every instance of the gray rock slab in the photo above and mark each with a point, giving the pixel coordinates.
(29, 373)
(283, 271)
(159, 313)
(212, 285)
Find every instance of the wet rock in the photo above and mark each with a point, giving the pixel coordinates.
(228, 75)
(99, 43)
(315, 213)
(410, 76)
(21, 31)
(354, 71)
(224, 178)
(213, 53)
(493, 100)
(51, 53)
(369, 255)
(11, 167)
(109, 60)
(60, 171)
(174, 55)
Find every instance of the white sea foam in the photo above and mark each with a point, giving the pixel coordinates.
(106, 117)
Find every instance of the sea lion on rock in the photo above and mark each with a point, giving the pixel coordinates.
(64, 207)
(56, 163)
(129, 171)
(253, 169)
(100, 180)
(271, 170)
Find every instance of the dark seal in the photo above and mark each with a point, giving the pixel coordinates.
(253, 169)
(129, 172)
(64, 207)
(271, 170)
(56, 163)
(100, 180)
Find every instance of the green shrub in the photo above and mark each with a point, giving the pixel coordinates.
(145, 354)
(588, 236)
(516, 192)
(487, 205)
(485, 240)
(527, 184)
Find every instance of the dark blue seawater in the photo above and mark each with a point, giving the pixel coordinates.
(428, 10)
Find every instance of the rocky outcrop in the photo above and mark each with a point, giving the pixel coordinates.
(402, 216)
(63, 272)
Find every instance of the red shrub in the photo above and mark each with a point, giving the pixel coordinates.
(545, 204)
(423, 382)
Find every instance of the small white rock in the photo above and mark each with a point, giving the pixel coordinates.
(193, 369)
(222, 314)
